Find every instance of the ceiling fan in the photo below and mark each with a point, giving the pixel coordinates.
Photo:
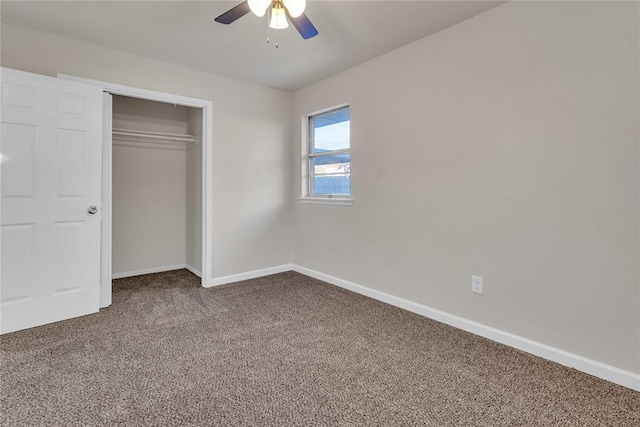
(281, 11)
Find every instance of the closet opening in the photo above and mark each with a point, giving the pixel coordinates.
(156, 187)
(200, 215)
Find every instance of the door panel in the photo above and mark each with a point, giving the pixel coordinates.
(69, 244)
(19, 145)
(17, 267)
(51, 171)
(19, 96)
(71, 157)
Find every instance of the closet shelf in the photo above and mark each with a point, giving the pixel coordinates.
(150, 139)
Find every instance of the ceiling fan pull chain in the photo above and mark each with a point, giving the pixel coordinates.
(268, 31)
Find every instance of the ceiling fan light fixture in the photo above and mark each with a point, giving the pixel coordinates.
(259, 7)
(295, 7)
(278, 18)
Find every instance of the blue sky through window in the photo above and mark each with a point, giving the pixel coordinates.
(331, 131)
(331, 137)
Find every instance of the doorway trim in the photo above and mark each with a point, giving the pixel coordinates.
(207, 163)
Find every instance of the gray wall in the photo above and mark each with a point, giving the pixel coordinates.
(251, 154)
(505, 147)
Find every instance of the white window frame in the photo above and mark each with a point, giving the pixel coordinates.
(307, 163)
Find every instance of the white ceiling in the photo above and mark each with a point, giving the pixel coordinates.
(184, 33)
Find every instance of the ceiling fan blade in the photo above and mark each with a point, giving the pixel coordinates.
(234, 14)
(303, 25)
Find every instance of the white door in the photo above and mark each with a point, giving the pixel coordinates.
(51, 171)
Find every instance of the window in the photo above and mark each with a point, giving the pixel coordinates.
(329, 155)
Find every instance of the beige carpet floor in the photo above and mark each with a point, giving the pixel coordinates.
(284, 350)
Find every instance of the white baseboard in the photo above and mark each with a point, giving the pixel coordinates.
(148, 271)
(193, 270)
(249, 275)
(580, 363)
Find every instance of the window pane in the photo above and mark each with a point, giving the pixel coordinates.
(332, 174)
(330, 131)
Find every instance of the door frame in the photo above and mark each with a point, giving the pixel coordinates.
(207, 170)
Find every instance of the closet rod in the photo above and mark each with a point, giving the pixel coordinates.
(155, 135)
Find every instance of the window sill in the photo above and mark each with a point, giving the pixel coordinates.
(337, 201)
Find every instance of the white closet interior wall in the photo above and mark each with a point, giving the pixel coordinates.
(156, 187)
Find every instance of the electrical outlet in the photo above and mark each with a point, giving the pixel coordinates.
(476, 284)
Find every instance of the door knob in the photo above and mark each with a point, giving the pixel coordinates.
(92, 209)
